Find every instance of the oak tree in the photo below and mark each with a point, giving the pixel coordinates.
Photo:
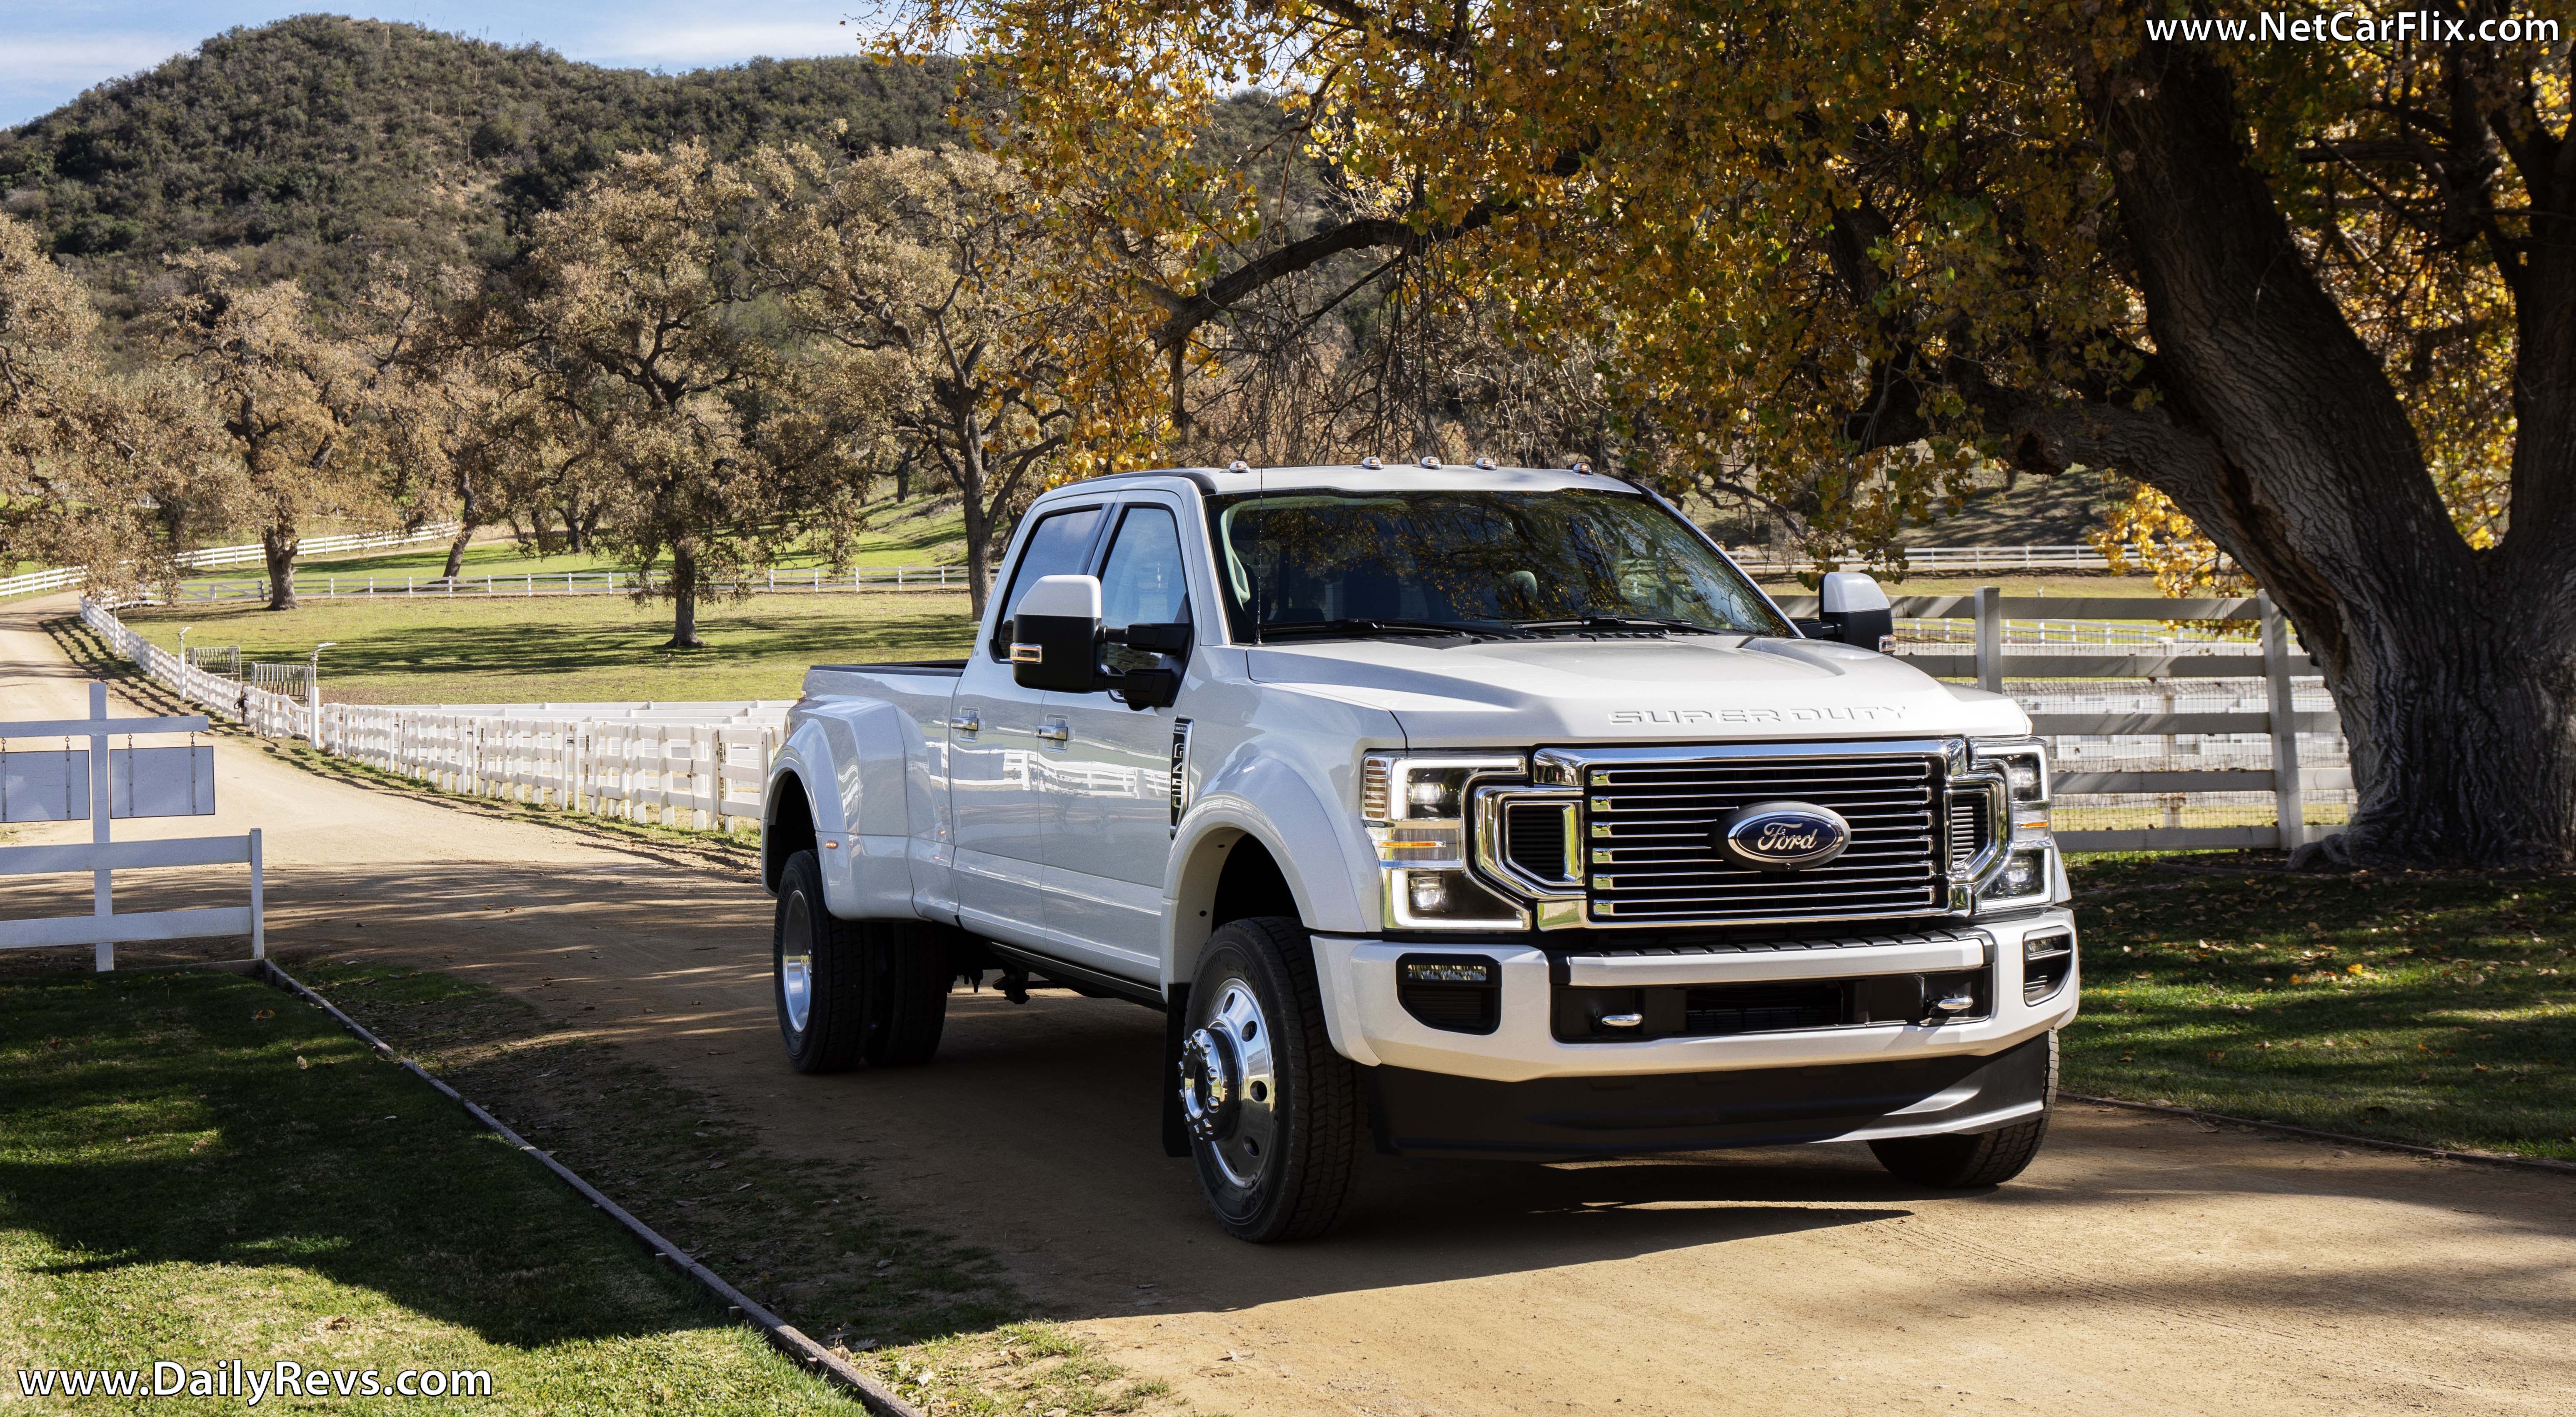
(2320, 295)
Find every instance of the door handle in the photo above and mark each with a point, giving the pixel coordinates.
(1055, 731)
(967, 723)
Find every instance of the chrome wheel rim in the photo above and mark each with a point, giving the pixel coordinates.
(1229, 1092)
(796, 963)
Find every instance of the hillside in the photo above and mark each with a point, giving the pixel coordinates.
(314, 143)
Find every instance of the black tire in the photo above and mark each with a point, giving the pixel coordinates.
(1973, 1160)
(907, 978)
(872, 990)
(1317, 1118)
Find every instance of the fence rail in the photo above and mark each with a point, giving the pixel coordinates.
(530, 585)
(693, 764)
(215, 557)
(1946, 558)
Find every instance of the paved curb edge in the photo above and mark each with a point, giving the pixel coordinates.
(2531, 1163)
(876, 1396)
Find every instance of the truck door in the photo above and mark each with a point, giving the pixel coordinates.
(1003, 746)
(1111, 795)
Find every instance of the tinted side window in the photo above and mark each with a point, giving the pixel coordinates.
(1059, 545)
(1142, 582)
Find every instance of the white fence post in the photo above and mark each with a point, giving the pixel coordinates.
(2288, 803)
(1990, 639)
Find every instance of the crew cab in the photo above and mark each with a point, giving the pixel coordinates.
(1442, 811)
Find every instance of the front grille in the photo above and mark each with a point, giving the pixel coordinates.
(1534, 838)
(1762, 1008)
(1654, 858)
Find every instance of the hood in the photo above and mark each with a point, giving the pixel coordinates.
(1689, 688)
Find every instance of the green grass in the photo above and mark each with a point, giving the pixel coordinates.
(2436, 1009)
(194, 1168)
(472, 650)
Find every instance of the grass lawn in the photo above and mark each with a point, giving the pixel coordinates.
(2434, 1009)
(930, 1317)
(196, 1169)
(473, 650)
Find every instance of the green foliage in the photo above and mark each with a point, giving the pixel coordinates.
(2436, 1009)
(318, 143)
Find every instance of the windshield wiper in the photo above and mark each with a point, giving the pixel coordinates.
(1618, 622)
(1367, 627)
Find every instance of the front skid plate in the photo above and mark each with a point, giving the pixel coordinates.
(1436, 1114)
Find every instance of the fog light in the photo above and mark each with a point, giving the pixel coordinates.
(1430, 895)
(2047, 959)
(1452, 993)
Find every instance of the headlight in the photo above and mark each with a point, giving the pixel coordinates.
(2019, 872)
(1415, 810)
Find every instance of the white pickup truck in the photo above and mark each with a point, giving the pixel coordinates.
(1449, 811)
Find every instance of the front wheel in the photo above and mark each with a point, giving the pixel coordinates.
(1961, 1162)
(1275, 1116)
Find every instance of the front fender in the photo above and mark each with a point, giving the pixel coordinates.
(1319, 850)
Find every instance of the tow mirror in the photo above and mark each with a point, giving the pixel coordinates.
(1856, 612)
(1055, 635)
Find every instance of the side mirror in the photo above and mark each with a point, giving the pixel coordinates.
(1856, 611)
(1055, 636)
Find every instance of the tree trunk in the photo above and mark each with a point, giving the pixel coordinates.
(684, 600)
(2461, 712)
(464, 528)
(573, 543)
(278, 545)
(903, 478)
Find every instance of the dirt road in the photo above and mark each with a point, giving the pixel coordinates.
(2143, 1265)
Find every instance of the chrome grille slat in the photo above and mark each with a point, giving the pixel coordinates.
(1655, 859)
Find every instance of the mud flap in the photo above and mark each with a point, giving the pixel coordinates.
(1176, 1017)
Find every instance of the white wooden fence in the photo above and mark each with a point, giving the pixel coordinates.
(2260, 699)
(68, 577)
(142, 792)
(2185, 722)
(683, 764)
(812, 580)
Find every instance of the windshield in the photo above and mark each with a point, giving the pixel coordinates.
(1473, 562)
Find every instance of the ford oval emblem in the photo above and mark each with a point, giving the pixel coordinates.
(1782, 836)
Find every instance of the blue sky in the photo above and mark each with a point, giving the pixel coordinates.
(51, 50)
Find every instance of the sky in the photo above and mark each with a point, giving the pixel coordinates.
(51, 50)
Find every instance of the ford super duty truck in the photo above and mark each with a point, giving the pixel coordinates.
(1444, 811)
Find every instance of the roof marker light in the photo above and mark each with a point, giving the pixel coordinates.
(1238, 465)
(1371, 463)
(1485, 464)
(1431, 462)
